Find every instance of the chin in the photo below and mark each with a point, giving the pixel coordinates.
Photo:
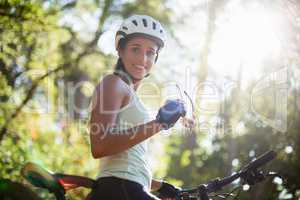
(138, 75)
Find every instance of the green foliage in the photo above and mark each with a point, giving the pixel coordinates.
(152, 8)
(257, 138)
(42, 60)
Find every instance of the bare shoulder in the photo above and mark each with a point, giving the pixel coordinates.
(111, 87)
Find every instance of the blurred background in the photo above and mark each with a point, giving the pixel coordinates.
(237, 59)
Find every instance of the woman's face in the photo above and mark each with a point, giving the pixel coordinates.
(138, 56)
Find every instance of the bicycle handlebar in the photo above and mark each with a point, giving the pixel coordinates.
(217, 184)
(260, 161)
(253, 165)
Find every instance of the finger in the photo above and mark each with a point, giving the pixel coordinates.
(188, 123)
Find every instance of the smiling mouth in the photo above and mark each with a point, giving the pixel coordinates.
(139, 68)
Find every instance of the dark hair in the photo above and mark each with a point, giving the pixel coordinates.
(120, 65)
(120, 68)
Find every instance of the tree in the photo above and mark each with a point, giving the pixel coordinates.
(40, 57)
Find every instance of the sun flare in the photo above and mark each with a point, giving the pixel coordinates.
(246, 38)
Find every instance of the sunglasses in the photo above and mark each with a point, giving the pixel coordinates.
(189, 121)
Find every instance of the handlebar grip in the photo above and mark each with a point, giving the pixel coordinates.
(261, 160)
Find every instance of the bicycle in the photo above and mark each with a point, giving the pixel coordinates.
(56, 183)
(250, 174)
(59, 184)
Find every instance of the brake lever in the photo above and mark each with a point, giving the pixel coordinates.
(253, 177)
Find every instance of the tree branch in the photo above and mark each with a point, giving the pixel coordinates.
(29, 96)
(69, 5)
(91, 45)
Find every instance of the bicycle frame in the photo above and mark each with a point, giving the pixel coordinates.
(55, 183)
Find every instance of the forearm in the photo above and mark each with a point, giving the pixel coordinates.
(115, 142)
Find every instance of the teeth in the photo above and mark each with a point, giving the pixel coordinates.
(139, 66)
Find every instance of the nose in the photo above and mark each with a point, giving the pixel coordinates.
(142, 58)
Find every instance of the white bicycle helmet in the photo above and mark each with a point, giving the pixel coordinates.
(141, 24)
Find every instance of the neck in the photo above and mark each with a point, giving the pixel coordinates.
(136, 84)
(129, 80)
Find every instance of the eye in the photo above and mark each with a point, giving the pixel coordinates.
(151, 54)
(135, 50)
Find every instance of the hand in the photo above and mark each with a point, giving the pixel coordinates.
(169, 113)
(189, 123)
(168, 191)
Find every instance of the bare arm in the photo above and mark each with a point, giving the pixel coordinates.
(105, 108)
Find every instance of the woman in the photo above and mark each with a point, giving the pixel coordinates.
(120, 125)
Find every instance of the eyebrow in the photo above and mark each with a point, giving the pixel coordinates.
(138, 45)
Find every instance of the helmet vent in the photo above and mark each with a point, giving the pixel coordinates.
(143, 25)
(135, 22)
(153, 25)
(145, 22)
